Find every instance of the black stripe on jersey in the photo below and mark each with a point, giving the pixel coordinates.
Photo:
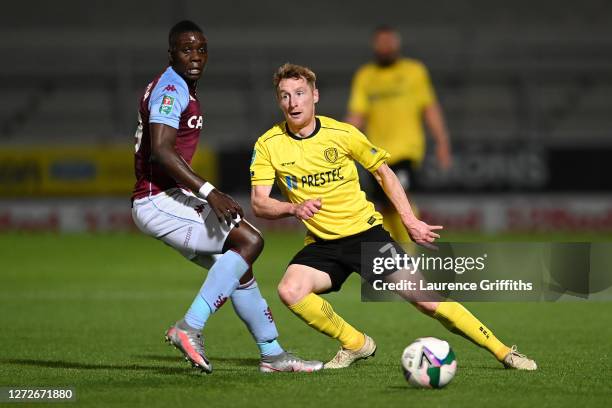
(331, 128)
(278, 134)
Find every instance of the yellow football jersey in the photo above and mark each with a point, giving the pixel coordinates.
(321, 165)
(392, 100)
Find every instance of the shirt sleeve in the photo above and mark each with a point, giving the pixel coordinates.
(262, 171)
(426, 93)
(358, 100)
(168, 101)
(363, 151)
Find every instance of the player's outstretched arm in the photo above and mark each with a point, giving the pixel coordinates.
(163, 140)
(419, 231)
(270, 208)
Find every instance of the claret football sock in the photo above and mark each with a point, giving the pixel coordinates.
(221, 281)
(319, 314)
(459, 320)
(253, 310)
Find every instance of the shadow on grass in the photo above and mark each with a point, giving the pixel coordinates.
(85, 366)
(237, 361)
(410, 388)
(164, 358)
(247, 362)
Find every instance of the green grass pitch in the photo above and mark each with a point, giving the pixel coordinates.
(89, 311)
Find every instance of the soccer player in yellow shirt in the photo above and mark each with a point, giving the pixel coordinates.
(312, 160)
(390, 99)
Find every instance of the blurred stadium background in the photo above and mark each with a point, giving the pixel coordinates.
(527, 91)
(526, 87)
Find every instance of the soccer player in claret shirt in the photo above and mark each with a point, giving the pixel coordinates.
(312, 159)
(177, 206)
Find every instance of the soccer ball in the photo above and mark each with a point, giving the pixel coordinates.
(429, 363)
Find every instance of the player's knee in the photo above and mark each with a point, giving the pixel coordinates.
(247, 241)
(253, 244)
(290, 293)
(248, 233)
(257, 242)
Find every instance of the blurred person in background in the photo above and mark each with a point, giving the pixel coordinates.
(390, 99)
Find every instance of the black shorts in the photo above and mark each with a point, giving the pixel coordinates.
(404, 170)
(341, 257)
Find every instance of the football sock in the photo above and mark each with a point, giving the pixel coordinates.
(198, 314)
(253, 310)
(182, 324)
(319, 314)
(459, 320)
(392, 222)
(221, 281)
(269, 348)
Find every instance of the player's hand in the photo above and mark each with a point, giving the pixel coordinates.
(307, 209)
(423, 234)
(224, 206)
(443, 154)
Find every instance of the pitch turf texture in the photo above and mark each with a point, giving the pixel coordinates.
(89, 312)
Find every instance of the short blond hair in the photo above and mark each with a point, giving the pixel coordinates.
(294, 71)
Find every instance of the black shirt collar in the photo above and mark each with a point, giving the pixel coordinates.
(315, 131)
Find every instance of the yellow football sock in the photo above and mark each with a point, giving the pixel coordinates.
(392, 222)
(459, 320)
(319, 314)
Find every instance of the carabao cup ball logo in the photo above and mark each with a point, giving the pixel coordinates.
(429, 363)
(331, 154)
